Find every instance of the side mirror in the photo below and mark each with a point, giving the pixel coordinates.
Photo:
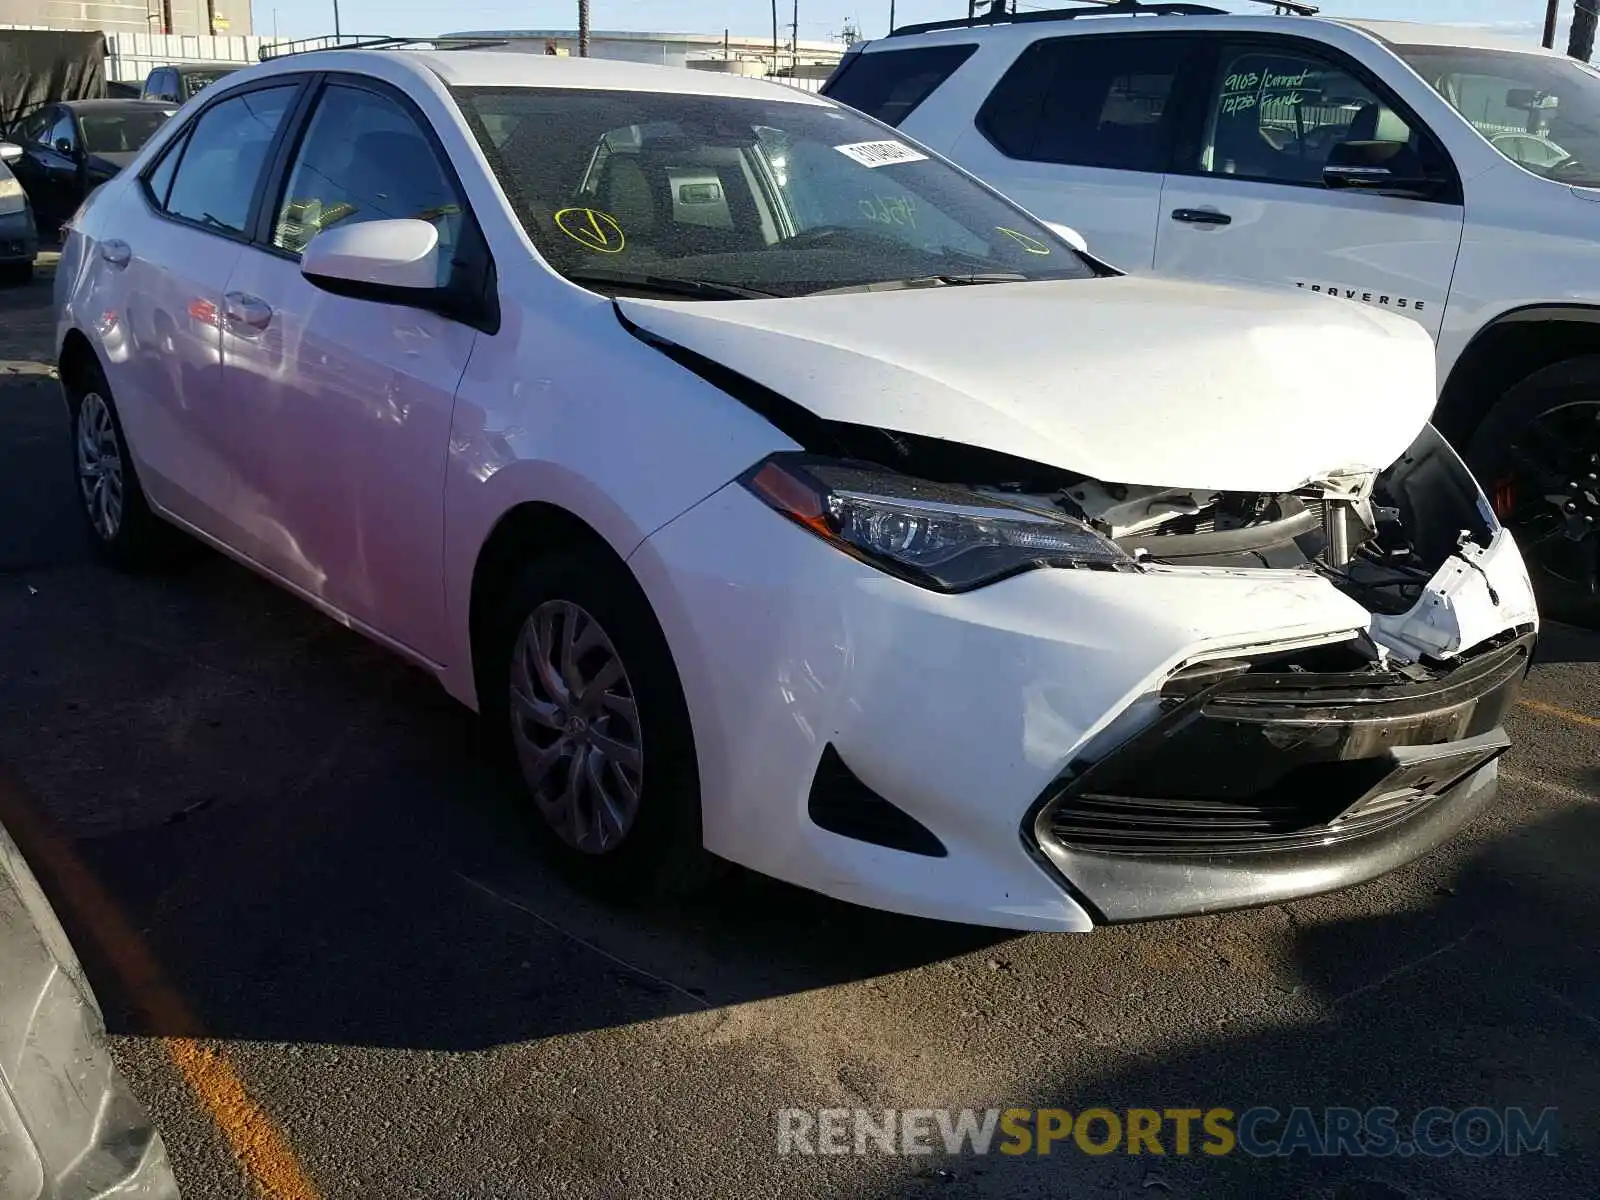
(10, 151)
(1070, 236)
(1390, 168)
(392, 261)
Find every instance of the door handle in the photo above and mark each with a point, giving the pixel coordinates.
(116, 252)
(1201, 216)
(241, 309)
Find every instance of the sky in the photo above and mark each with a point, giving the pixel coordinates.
(819, 19)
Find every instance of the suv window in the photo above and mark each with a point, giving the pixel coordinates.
(186, 85)
(1277, 114)
(1542, 113)
(221, 167)
(364, 159)
(889, 84)
(1088, 102)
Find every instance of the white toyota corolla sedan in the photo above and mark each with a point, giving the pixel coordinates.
(776, 490)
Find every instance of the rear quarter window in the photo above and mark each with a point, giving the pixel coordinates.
(889, 84)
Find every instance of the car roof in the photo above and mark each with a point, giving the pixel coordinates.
(512, 68)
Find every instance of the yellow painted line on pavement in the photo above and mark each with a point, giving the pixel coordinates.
(1563, 714)
(254, 1138)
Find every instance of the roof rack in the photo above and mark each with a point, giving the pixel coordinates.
(997, 14)
(372, 41)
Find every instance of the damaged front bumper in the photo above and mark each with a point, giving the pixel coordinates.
(1279, 776)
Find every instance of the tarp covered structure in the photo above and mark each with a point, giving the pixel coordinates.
(39, 66)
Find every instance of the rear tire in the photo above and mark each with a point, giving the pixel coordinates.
(1537, 455)
(581, 700)
(123, 529)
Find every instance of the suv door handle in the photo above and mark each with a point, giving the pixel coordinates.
(116, 252)
(1201, 216)
(241, 309)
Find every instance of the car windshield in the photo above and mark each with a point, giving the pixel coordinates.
(1541, 112)
(120, 132)
(739, 197)
(194, 82)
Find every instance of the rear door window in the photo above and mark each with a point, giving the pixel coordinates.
(220, 172)
(889, 84)
(1088, 102)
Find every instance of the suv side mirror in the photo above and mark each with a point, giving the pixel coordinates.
(1389, 168)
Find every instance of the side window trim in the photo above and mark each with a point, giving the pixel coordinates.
(186, 135)
(1319, 51)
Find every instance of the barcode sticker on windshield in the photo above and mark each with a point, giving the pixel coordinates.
(880, 154)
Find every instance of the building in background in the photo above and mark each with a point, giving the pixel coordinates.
(202, 18)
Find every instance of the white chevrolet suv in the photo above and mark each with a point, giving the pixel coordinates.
(1441, 173)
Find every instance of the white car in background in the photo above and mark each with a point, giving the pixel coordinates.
(1447, 174)
(774, 489)
(19, 237)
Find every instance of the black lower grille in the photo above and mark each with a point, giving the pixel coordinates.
(1246, 760)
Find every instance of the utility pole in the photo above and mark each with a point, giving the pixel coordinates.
(583, 28)
(335, 22)
(891, 16)
(1585, 15)
(1552, 10)
(774, 37)
(794, 39)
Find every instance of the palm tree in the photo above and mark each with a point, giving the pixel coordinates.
(583, 28)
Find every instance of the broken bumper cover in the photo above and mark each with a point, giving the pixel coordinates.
(1264, 780)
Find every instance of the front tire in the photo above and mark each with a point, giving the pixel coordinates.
(582, 699)
(1537, 455)
(121, 526)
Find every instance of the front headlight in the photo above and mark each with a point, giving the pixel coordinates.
(936, 535)
(12, 199)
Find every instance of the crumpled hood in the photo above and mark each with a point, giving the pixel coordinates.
(1127, 380)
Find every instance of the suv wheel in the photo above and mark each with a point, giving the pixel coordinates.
(583, 698)
(1537, 454)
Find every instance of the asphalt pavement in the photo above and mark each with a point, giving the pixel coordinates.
(342, 911)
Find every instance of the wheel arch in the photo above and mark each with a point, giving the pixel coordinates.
(1504, 352)
(77, 356)
(525, 530)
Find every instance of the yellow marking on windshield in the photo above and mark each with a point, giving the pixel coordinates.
(592, 229)
(1031, 244)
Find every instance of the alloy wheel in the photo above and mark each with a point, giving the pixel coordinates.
(575, 726)
(100, 476)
